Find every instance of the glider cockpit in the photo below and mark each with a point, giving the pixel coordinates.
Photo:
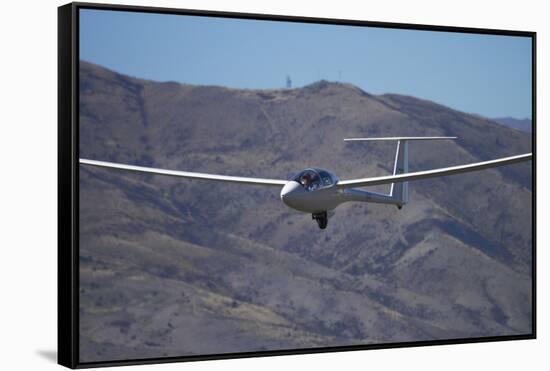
(313, 179)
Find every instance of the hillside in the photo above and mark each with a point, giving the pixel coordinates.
(519, 124)
(174, 267)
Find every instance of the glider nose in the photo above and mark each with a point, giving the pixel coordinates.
(290, 192)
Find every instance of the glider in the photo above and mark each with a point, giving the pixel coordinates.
(317, 191)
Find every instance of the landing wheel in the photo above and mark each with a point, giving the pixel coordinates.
(321, 219)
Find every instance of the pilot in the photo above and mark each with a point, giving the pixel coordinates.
(306, 180)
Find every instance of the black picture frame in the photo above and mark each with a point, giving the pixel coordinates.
(68, 181)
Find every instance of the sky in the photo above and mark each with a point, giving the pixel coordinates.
(488, 75)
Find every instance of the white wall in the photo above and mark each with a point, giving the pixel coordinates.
(28, 148)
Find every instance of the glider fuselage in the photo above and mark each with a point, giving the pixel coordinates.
(296, 196)
(315, 191)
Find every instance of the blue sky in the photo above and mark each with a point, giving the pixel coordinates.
(484, 74)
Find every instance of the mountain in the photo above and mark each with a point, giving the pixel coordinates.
(519, 124)
(172, 267)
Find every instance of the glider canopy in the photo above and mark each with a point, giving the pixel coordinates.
(312, 179)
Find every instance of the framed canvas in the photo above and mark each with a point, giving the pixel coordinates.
(236, 185)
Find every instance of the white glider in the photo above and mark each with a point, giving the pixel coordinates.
(317, 191)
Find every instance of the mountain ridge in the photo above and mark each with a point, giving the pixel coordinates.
(525, 124)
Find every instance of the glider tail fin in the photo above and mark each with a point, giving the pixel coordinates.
(399, 192)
